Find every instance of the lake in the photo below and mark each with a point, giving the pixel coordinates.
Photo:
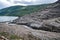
(7, 18)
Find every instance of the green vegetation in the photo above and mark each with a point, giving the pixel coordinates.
(10, 36)
(21, 10)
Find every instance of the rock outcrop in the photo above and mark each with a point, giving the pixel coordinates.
(37, 19)
(27, 33)
(41, 25)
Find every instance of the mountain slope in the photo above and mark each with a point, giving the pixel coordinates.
(40, 25)
(47, 19)
(21, 10)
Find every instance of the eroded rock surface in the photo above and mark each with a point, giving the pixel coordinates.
(41, 25)
(37, 20)
(29, 34)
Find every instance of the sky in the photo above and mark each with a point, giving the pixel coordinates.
(8, 3)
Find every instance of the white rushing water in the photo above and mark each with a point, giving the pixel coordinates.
(7, 18)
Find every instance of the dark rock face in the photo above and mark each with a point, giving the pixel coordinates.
(52, 25)
(58, 1)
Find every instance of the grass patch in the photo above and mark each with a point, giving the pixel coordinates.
(10, 36)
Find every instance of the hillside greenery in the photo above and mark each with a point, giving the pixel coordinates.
(21, 10)
(10, 36)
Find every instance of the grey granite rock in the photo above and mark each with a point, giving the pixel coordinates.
(41, 25)
(37, 19)
(29, 34)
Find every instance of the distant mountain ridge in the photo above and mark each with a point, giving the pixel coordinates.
(21, 10)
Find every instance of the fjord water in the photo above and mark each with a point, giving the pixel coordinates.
(7, 18)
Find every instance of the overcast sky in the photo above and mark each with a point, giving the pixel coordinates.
(7, 3)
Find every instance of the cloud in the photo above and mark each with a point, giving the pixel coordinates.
(7, 3)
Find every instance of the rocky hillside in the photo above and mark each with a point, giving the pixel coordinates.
(40, 25)
(47, 19)
(26, 33)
